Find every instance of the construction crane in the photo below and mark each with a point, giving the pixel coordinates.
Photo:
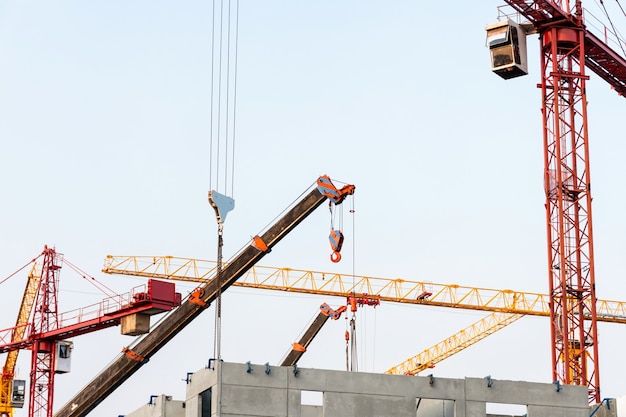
(506, 306)
(13, 392)
(326, 312)
(567, 47)
(451, 345)
(397, 290)
(126, 365)
(46, 334)
(299, 347)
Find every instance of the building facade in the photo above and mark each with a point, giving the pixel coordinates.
(238, 390)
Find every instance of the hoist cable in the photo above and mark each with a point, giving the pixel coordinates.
(211, 96)
(351, 211)
(223, 91)
(354, 361)
(217, 339)
(606, 13)
(18, 271)
(290, 205)
(353, 241)
(227, 104)
(620, 41)
(620, 7)
(231, 97)
(341, 218)
(222, 73)
(92, 280)
(219, 95)
(374, 339)
(232, 181)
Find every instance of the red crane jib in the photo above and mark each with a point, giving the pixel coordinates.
(599, 57)
(153, 298)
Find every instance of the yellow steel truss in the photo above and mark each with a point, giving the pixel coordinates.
(506, 306)
(333, 284)
(8, 371)
(465, 338)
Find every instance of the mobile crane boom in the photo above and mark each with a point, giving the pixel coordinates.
(318, 322)
(127, 364)
(309, 334)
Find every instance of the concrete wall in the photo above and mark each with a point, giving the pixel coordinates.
(249, 390)
(160, 406)
(613, 407)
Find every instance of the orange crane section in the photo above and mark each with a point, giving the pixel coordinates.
(326, 312)
(311, 331)
(122, 367)
(334, 284)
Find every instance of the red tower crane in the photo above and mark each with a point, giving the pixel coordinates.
(46, 333)
(567, 47)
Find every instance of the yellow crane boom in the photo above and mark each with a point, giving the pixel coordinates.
(8, 371)
(506, 306)
(334, 284)
(474, 333)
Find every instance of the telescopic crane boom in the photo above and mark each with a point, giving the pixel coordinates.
(309, 334)
(316, 325)
(127, 364)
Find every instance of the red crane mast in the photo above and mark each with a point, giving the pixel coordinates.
(45, 334)
(566, 49)
(45, 319)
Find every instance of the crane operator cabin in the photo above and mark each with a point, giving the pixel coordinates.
(506, 41)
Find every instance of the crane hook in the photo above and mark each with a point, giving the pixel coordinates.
(336, 241)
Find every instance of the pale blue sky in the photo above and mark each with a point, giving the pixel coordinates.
(104, 125)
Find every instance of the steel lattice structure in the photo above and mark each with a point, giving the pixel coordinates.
(568, 210)
(45, 319)
(567, 47)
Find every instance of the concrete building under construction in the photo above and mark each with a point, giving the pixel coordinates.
(237, 390)
(568, 50)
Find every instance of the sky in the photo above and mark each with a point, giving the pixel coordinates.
(105, 126)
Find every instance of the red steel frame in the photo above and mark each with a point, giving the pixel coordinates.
(45, 319)
(47, 327)
(573, 323)
(566, 48)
